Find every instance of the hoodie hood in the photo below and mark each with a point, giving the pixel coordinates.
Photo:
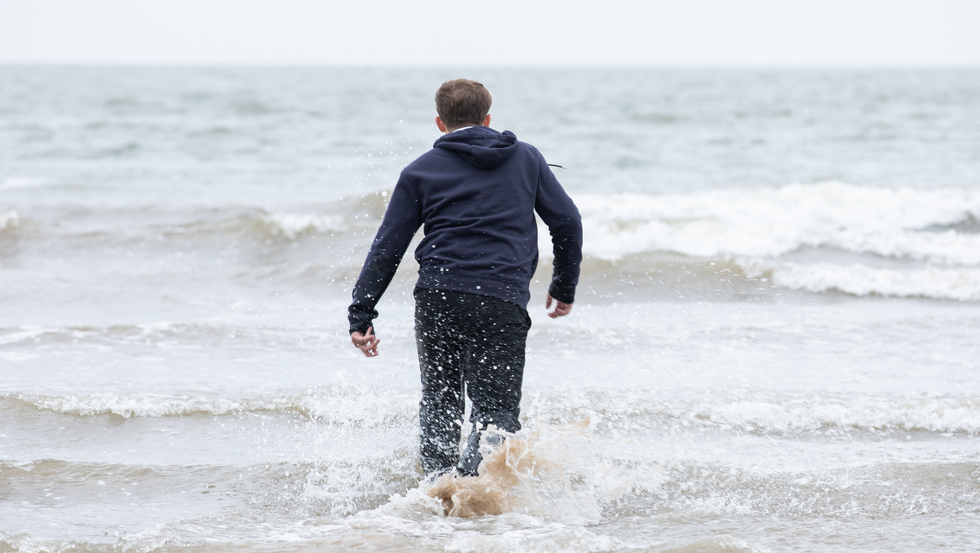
(482, 147)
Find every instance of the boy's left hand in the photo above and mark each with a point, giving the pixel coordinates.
(561, 309)
(367, 342)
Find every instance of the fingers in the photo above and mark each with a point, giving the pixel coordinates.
(561, 310)
(366, 342)
(370, 349)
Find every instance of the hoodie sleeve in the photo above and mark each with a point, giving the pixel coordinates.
(402, 218)
(565, 225)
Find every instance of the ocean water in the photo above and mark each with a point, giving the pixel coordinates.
(775, 344)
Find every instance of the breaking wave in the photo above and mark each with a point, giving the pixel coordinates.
(382, 409)
(9, 220)
(751, 229)
(254, 223)
(760, 415)
(293, 225)
(263, 223)
(342, 408)
(22, 182)
(772, 222)
(894, 242)
(860, 280)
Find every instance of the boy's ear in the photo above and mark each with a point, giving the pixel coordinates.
(441, 125)
(486, 121)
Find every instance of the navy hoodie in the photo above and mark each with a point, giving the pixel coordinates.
(475, 193)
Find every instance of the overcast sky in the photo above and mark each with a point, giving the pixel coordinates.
(500, 32)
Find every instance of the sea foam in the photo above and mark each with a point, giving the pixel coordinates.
(611, 412)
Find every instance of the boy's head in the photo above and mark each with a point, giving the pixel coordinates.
(462, 103)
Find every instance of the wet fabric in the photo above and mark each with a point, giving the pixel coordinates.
(468, 344)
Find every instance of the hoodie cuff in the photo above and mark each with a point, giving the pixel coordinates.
(564, 294)
(361, 326)
(360, 319)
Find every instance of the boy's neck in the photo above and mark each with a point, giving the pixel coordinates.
(446, 130)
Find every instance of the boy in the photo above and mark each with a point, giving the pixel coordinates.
(476, 193)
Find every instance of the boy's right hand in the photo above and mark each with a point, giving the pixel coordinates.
(367, 342)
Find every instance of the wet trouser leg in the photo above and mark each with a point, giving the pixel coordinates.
(473, 341)
(442, 405)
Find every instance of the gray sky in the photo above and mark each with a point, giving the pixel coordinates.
(500, 32)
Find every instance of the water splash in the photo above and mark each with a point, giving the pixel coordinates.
(555, 473)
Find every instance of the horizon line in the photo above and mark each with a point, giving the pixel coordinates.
(448, 65)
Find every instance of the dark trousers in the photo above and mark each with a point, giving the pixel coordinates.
(468, 345)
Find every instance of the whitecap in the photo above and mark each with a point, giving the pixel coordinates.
(772, 222)
(293, 225)
(22, 182)
(860, 280)
(10, 220)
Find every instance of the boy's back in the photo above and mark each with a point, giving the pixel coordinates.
(475, 193)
